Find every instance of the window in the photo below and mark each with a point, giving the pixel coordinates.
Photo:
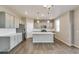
(57, 25)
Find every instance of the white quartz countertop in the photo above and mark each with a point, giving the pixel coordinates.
(43, 33)
(8, 34)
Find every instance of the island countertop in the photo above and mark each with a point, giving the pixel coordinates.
(43, 33)
(8, 34)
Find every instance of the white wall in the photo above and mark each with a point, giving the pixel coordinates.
(29, 27)
(76, 27)
(65, 29)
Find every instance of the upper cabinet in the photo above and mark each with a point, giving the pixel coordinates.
(22, 21)
(8, 21)
(17, 22)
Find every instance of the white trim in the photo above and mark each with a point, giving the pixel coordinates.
(76, 46)
(69, 44)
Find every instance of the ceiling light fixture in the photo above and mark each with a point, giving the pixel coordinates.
(47, 6)
(48, 21)
(38, 21)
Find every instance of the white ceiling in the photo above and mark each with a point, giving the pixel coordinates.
(33, 10)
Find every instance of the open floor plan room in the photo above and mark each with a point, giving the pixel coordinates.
(39, 29)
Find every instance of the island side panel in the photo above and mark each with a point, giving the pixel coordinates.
(43, 38)
(4, 44)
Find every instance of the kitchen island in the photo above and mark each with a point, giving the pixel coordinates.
(9, 40)
(43, 37)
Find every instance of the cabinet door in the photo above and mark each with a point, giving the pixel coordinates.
(12, 42)
(16, 40)
(16, 22)
(19, 38)
(11, 21)
(7, 20)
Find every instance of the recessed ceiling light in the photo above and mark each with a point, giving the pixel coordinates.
(38, 21)
(26, 12)
(47, 6)
(44, 5)
(48, 21)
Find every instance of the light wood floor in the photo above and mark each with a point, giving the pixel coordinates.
(27, 47)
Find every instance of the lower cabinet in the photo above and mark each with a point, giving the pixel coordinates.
(19, 37)
(15, 40)
(12, 42)
(8, 42)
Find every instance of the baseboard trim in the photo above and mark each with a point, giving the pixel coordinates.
(64, 42)
(76, 46)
